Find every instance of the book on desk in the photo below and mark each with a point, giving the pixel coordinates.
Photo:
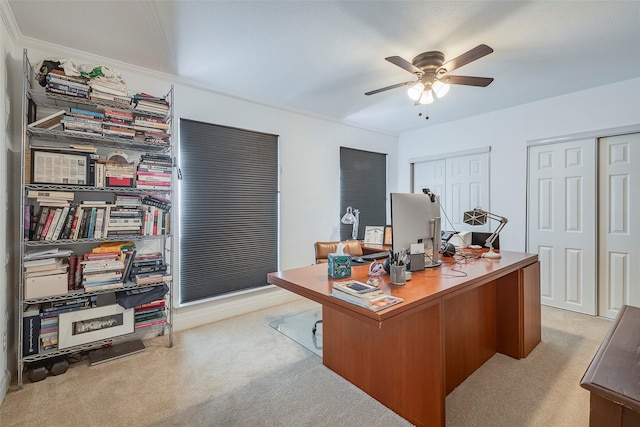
(364, 295)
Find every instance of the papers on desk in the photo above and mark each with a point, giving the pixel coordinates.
(364, 295)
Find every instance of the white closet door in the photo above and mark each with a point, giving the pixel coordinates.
(619, 210)
(562, 223)
(462, 182)
(431, 175)
(467, 188)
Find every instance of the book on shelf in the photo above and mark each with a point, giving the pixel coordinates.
(66, 229)
(60, 223)
(37, 263)
(145, 185)
(75, 225)
(86, 113)
(46, 254)
(47, 224)
(148, 269)
(149, 310)
(128, 262)
(102, 276)
(150, 323)
(92, 222)
(31, 330)
(61, 269)
(103, 287)
(152, 278)
(62, 195)
(112, 254)
(372, 301)
(153, 304)
(42, 219)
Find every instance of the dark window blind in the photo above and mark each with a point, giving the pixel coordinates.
(229, 209)
(363, 186)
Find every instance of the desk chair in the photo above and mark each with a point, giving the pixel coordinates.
(323, 249)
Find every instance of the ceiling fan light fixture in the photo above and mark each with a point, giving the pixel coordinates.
(426, 98)
(415, 91)
(440, 89)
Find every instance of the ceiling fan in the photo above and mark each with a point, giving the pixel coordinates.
(433, 74)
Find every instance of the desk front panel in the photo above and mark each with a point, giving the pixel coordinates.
(400, 364)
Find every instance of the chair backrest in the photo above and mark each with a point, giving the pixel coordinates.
(323, 249)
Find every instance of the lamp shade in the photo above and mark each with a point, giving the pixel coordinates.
(426, 97)
(349, 217)
(440, 89)
(475, 217)
(415, 91)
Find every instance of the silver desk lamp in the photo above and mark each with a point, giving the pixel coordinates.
(479, 217)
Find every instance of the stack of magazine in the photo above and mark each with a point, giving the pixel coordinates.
(365, 295)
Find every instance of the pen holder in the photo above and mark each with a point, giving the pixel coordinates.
(398, 274)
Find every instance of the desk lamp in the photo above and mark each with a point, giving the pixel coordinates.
(479, 217)
(352, 217)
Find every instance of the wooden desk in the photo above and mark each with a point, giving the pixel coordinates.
(411, 355)
(613, 377)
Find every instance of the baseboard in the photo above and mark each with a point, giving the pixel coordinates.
(213, 311)
(4, 385)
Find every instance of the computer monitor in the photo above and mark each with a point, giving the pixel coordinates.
(415, 218)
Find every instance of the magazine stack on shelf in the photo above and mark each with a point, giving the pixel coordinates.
(368, 296)
(150, 314)
(149, 268)
(118, 123)
(102, 271)
(58, 82)
(82, 122)
(145, 103)
(112, 90)
(154, 172)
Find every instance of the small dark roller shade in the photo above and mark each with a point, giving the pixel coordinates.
(363, 186)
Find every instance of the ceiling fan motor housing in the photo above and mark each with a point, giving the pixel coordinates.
(429, 61)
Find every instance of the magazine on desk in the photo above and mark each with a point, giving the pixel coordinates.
(364, 295)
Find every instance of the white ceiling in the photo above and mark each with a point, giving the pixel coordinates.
(321, 57)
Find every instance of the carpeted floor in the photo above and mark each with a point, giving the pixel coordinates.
(243, 372)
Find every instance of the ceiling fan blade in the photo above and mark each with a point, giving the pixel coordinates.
(468, 81)
(404, 64)
(469, 56)
(373, 92)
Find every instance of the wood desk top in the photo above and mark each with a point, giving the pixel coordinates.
(312, 282)
(614, 372)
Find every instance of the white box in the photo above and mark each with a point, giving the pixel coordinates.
(461, 240)
(101, 323)
(45, 286)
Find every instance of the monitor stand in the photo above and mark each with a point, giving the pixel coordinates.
(435, 244)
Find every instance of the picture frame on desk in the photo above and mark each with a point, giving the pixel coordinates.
(95, 324)
(387, 241)
(58, 167)
(374, 234)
